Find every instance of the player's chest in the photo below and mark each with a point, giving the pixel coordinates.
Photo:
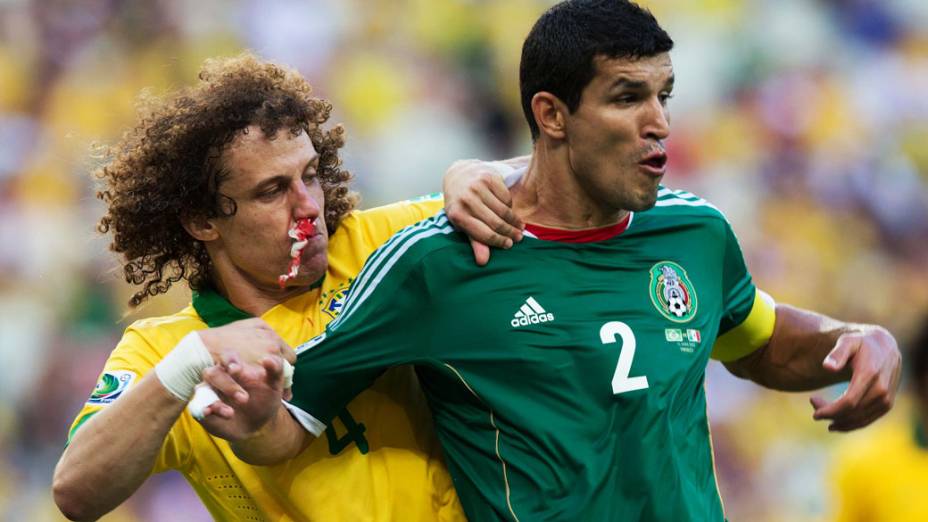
(619, 326)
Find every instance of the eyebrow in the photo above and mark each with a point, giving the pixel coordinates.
(628, 83)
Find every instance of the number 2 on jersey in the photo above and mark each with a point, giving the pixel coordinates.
(621, 382)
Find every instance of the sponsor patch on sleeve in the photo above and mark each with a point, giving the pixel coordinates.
(111, 386)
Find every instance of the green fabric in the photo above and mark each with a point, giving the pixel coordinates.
(216, 310)
(78, 424)
(589, 405)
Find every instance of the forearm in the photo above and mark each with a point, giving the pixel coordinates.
(281, 439)
(122, 441)
(792, 360)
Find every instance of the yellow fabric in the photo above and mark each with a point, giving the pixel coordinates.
(879, 475)
(402, 477)
(753, 333)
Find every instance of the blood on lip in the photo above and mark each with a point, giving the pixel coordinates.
(300, 231)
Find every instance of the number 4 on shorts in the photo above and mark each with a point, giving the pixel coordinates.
(621, 382)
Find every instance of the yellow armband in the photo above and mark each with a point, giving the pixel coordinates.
(753, 333)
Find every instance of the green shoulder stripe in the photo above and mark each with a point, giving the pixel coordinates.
(80, 422)
(385, 257)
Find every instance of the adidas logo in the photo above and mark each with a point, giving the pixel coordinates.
(531, 313)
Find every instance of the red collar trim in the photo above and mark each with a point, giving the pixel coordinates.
(589, 235)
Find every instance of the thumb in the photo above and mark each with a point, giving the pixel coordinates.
(481, 252)
(844, 349)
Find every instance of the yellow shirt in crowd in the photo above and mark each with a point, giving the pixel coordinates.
(880, 474)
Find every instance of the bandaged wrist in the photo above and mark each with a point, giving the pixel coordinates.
(180, 371)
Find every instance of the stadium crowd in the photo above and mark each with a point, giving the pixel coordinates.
(803, 120)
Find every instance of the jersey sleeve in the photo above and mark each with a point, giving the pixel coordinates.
(748, 314)
(379, 223)
(132, 359)
(385, 322)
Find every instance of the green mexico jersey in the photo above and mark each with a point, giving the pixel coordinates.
(565, 379)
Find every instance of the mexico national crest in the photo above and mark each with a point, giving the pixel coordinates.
(672, 292)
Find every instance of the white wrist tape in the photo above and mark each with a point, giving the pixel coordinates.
(180, 371)
(204, 395)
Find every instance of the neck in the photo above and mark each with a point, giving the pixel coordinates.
(549, 194)
(252, 297)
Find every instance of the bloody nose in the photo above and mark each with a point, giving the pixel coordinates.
(304, 228)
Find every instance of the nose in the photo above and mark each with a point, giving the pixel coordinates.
(304, 203)
(657, 121)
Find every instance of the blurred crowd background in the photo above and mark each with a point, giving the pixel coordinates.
(806, 121)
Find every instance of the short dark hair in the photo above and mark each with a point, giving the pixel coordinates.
(557, 55)
(918, 356)
(168, 166)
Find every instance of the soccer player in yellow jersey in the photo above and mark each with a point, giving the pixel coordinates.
(204, 189)
(880, 475)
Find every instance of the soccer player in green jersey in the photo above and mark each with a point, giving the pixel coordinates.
(566, 377)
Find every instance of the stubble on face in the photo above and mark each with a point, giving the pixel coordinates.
(265, 176)
(622, 120)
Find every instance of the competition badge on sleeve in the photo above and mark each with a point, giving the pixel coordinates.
(111, 386)
(672, 292)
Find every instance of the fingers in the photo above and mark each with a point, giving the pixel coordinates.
(481, 252)
(858, 419)
(285, 351)
(218, 409)
(479, 203)
(225, 385)
(849, 413)
(849, 400)
(871, 408)
(274, 368)
(844, 349)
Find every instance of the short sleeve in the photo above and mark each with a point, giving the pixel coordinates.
(747, 314)
(385, 322)
(132, 359)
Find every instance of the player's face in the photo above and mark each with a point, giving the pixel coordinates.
(273, 183)
(615, 137)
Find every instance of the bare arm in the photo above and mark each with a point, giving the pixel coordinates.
(123, 439)
(809, 350)
(83, 485)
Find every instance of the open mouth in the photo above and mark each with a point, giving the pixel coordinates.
(655, 161)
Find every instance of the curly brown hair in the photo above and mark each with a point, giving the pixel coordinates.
(167, 168)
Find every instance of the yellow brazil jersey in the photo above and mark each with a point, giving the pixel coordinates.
(879, 474)
(378, 461)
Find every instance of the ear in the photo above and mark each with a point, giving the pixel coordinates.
(550, 115)
(200, 227)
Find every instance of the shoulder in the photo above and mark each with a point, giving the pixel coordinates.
(679, 211)
(683, 205)
(395, 216)
(361, 231)
(417, 242)
(161, 333)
